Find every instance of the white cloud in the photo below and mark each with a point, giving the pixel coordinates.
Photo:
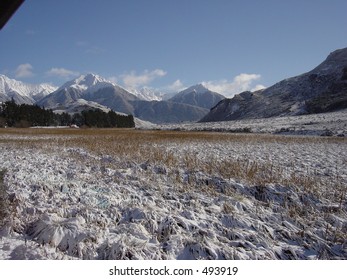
(113, 79)
(62, 72)
(176, 86)
(258, 87)
(133, 80)
(240, 83)
(24, 71)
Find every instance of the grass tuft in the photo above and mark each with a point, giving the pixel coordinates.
(3, 198)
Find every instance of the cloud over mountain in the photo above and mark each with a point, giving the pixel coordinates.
(134, 80)
(24, 71)
(62, 72)
(239, 83)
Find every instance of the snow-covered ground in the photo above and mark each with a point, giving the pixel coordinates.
(118, 194)
(326, 124)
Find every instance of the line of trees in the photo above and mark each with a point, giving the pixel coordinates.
(24, 115)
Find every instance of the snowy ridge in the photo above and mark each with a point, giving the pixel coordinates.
(148, 94)
(79, 105)
(34, 92)
(199, 89)
(89, 87)
(88, 83)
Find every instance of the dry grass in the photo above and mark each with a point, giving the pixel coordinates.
(152, 147)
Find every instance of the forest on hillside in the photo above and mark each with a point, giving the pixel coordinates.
(24, 115)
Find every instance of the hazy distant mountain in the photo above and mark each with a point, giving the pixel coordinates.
(167, 111)
(198, 95)
(188, 105)
(147, 93)
(22, 92)
(321, 90)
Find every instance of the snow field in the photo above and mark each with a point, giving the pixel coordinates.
(125, 194)
(324, 124)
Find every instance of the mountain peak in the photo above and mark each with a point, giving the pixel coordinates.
(338, 55)
(92, 79)
(198, 88)
(89, 80)
(198, 95)
(335, 60)
(85, 82)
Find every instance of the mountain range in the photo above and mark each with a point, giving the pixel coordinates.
(322, 89)
(93, 91)
(22, 92)
(93, 88)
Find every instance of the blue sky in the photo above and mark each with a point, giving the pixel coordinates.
(229, 45)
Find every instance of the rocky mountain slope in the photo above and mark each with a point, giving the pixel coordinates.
(323, 89)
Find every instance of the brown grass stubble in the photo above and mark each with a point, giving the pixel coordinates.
(151, 146)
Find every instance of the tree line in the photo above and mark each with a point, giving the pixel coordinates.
(24, 115)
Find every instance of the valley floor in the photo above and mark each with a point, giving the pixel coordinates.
(324, 124)
(137, 194)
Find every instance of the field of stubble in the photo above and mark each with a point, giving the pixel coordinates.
(130, 194)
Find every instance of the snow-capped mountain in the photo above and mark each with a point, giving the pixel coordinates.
(22, 92)
(89, 82)
(322, 89)
(147, 93)
(198, 89)
(78, 93)
(198, 95)
(90, 87)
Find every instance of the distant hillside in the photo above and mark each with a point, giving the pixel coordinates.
(167, 111)
(323, 89)
(199, 96)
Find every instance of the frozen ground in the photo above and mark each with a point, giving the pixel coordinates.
(326, 124)
(172, 195)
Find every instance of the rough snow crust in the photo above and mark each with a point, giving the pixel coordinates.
(69, 203)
